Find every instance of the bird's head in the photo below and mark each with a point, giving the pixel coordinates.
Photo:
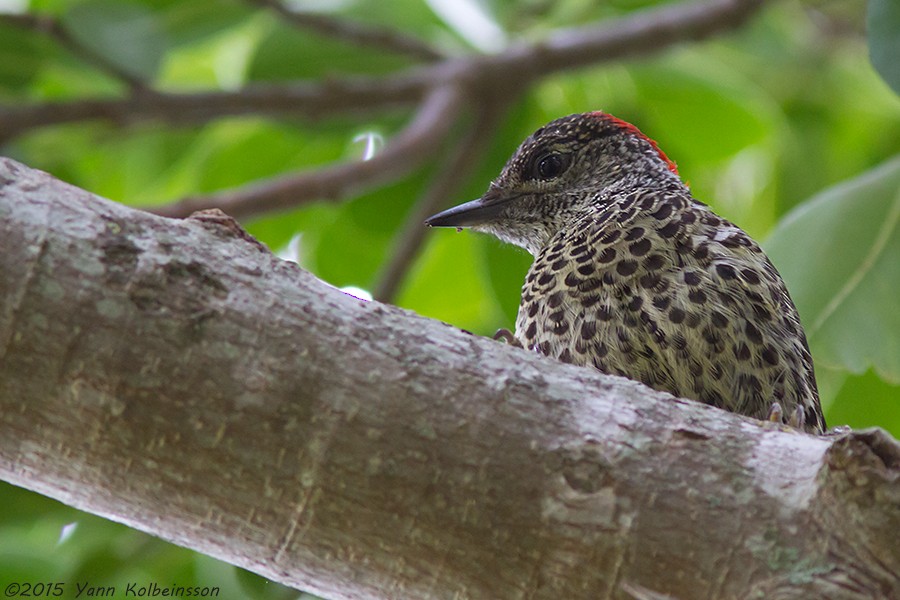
(560, 172)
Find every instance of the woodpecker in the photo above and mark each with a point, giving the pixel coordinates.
(635, 277)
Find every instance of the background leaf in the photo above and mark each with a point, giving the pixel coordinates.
(125, 33)
(883, 24)
(839, 254)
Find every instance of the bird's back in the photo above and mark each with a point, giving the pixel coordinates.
(652, 285)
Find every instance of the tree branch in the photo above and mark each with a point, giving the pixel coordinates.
(637, 33)
(176, 377)
(367, 36)
(413, 146)
(360, 95)
(49, 26)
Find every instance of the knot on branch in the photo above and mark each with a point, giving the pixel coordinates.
(225, 226)
(865, 455)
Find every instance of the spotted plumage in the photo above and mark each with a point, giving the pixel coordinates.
(635, 277)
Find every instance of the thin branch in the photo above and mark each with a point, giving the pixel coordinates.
(635, 34)
(305, 100)
(640, 33)
(47, 25)
(403, 154)
(367, 36)
(467, 153)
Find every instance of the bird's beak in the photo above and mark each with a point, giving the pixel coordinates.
(477, 212)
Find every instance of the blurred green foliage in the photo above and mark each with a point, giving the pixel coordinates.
(760, 121)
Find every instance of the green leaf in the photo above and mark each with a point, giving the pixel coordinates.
(449, 282)
(21, 56)
(287, 54)
(473, 22)
(866, 401)
(193, 21)
(840, 255)
(731, 119)
(883, 25)
(348, 253)
(506, 266)
(126, 34)
(413, 18)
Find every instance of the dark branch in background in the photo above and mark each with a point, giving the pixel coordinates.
(467, 153)
(368, 36)
(351, 95)
(442, 88)
(640, 33)
(408, 150)
(46, 25)
(635, 34)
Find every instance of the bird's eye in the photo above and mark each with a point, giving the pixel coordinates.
(552, 165)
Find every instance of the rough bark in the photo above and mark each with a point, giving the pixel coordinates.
(175, 376)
